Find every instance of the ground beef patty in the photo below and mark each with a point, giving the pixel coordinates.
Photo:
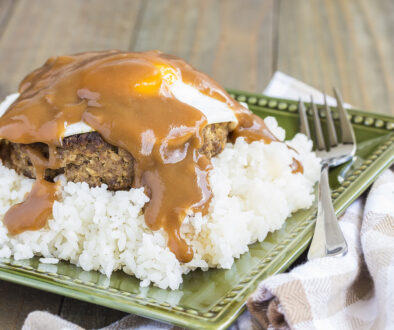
(88, 158)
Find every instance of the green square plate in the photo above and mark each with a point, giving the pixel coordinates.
(214, 299)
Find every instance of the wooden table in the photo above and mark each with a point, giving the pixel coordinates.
(348, 44)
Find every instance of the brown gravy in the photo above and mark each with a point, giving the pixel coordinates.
(34, 211)
(124, 97)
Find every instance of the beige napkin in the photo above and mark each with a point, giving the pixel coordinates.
(351, 292)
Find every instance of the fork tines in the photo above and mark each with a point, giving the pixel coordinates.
(346, 130)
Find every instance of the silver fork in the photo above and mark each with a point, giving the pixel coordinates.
(328, 238)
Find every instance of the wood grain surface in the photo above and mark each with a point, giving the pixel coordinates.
(348, 44)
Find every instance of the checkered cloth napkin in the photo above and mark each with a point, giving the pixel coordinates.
(352, 292)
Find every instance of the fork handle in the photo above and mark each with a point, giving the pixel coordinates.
(328, 238)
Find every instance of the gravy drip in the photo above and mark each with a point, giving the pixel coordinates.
(34, 211)
(126, 98)
(253, 128)
(296, 167)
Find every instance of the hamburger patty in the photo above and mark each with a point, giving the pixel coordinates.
(88, 158)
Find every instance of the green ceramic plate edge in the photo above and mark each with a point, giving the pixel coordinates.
(281, 257)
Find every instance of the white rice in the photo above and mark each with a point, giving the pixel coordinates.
(96, 229)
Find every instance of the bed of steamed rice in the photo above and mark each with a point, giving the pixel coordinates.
(254, 192)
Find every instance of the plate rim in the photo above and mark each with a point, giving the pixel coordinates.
(229, 307)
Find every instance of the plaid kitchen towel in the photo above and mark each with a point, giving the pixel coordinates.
(351, 292)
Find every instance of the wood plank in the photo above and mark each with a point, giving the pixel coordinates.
(244, 59)
(6, 8)
(230, 40)
(40, 29)
(17, 301)
(379, 49)
(343, 43)
(168, 26)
